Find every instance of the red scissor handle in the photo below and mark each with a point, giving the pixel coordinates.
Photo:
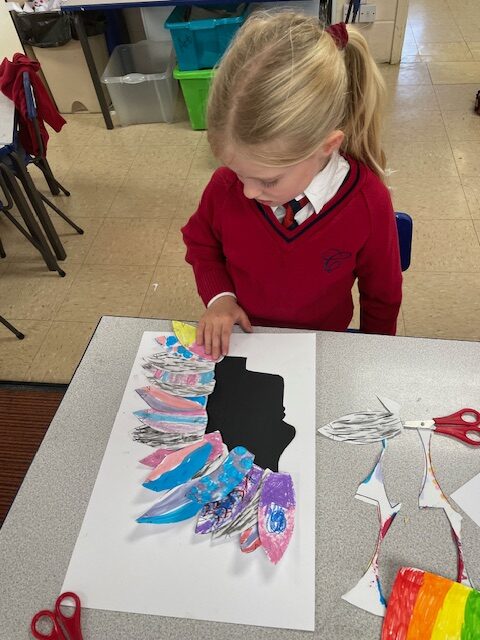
(55, 634)
(460, 425)
(70, 623)
(462, 418)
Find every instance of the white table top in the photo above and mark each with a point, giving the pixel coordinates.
(427, 377)
(7, 120)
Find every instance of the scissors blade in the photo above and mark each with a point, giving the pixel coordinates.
(419, 424)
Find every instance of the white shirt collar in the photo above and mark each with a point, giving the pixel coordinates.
(325, 184)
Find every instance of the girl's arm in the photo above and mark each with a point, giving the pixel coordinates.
(378, 267)
(202, 236)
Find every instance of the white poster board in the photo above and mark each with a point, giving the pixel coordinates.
(168, 570)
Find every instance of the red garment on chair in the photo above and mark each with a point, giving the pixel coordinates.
(11, 84)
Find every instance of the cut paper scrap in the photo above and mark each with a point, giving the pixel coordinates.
(365, 427)
(174, 506)
(467, 497)
(367, 593)
(423, 606)
(432, 496)
(179, 466)
(160, 400)
(276, 514)
(187, 335)
(220, 482)
(217, 514)
(188, 465)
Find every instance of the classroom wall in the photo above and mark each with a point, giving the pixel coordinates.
(9, 40)
(385, 35)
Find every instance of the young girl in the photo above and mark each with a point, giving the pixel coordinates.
(299, 209)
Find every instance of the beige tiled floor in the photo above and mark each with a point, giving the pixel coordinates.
(132, 189)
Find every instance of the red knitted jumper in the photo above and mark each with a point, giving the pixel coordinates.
(300, 278)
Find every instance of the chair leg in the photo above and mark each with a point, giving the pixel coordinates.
(38, 206)
(2, 250)
(9, 326)
(36, 236)
(53, 184)
(61, 214)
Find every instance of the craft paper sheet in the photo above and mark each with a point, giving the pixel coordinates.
(120, 565)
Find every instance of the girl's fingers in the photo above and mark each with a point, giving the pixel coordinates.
(244, 322)
(226, 333)
(216, 337)
(200, 331)
(207, 334)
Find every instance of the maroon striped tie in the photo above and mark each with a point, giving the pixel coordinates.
(292, 208)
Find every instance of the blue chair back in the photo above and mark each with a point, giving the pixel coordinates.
(29, 97)
(405, 233)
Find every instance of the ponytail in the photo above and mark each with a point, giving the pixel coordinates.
(285, 84)
(365, 105)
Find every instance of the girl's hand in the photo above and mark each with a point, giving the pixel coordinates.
(216, 324)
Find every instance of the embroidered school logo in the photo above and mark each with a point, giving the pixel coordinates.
(334, 258)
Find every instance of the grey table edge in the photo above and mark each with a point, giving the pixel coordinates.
(41, 529)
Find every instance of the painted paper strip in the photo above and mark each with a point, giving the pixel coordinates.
(276, 514)
(218, 484)
(246, 519)
(160, 400)
(174, 506)
(155, 458)
(155, 438)
(176, 458)
(171, 421)
(184, 471)
(217, 514)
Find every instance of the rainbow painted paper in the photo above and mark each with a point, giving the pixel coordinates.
(423, 606)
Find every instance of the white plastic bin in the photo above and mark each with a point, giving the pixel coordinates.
(140, 80)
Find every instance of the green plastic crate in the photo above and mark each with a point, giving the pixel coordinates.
(195, 87)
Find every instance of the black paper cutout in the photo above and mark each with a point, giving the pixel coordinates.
(247, 408)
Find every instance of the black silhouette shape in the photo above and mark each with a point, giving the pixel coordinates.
(247, 408)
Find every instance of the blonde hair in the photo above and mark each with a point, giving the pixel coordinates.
(283, 86)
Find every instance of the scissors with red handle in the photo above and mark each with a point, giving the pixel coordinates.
(63, 627)
(463, 425)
